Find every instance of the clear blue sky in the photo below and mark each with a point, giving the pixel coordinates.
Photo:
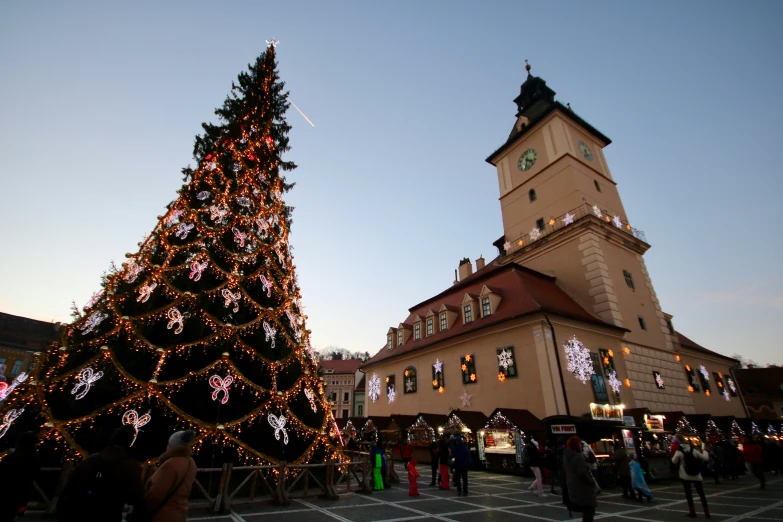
(99, 105)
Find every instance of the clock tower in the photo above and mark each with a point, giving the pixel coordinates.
(563, 216)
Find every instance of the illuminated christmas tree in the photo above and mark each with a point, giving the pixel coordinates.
(202, 328)
(684, 427)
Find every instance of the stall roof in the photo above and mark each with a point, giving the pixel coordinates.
(399, 422)
(523, 419)
(474, 420)
(380, 423)
(724, 423)
(433, 420)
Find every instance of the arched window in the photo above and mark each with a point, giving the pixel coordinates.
(532, 195)
(410, 380)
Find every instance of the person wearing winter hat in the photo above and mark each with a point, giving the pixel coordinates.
(169, 487)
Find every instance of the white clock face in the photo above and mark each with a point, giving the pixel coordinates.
(585, 151)
(527, 160)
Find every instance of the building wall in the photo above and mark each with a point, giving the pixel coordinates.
(340, 384)
(715, 403)
(359, 405)
(16, 359)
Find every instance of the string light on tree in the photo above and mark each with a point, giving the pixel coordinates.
(231, 298)
(196, 269)
(204, 194)
(146, 291)
(132, 270)
(239, 237)
(580, 364)
(131, 418)
(96, 296)
(175, 318)
(92, 322)
(183, 230)
(220, 385)
(6, 389)
(87, 377)
(278, 423)
(311, 398)
(270, 333)
(243, 201)
(267, 286)
(217, 213)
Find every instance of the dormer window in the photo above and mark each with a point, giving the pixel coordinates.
(444, 323)
(532, 195)
(429, 326)
(389, 341)
(399, 337)
(485, 308)
(416, 332)
(468, 314)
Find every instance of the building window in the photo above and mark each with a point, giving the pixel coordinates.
(693, 384)
(333, 397)
(468, 314)
(468, 366)
(399, 337)
(719, 382)
(390, 384)
(346, 397)
(597, 186)
(629, 279)
(642, 323)
(389, 341)
(443, 322)
(658, 380)
(485, 308)
(16, 368)
(437, 377)
(540, 224)
(507, 363)
(345, 414)
(532, 195)
(429, 326)
(360, 410)
(410, 380)
(416, 331)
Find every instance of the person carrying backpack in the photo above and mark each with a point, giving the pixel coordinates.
(579, 487)
(101, 485)
(168, 489)
(689, 459)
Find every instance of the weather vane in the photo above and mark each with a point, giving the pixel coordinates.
(527, 67)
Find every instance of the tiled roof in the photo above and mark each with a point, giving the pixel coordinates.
(687, 343)
(522, 419)
(342, 366)
(360, 386)
(523, 291)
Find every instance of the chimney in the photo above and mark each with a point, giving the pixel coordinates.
(465, 268)
(479, 263)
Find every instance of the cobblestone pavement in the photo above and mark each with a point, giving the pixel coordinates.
(501, 497)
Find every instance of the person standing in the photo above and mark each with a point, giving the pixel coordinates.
(413, 475)
(534, 461)
(434, 461)
(18, 470)
(443, 461)
(754, 458)
(592, 463)
(376, 461)
(551, 463)
(579, 488)
(168, 489)
(622, 462)
(102, 484)
(688, 459)
(637, 480)
(462, 460)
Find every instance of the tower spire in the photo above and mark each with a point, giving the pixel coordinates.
(527, 67)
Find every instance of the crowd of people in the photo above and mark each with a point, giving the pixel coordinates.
(104, 483)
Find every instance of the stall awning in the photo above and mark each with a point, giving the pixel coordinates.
(522, 419)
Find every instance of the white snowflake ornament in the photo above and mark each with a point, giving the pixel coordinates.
(580, 363)
(391, 394)
(614, 382)
(374, 390)
(597, 212)
(535, 233)
(438, 366)
(504, 359)
(465, 398)
(568, 219)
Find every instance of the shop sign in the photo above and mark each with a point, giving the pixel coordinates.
(628, 420)
(610, 412)
(654, 422)
(628, 439)
(480, 440)
(519, 446)
(564, 429)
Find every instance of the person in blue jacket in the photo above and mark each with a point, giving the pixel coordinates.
(461, 457)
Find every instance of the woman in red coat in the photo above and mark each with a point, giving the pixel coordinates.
(413, 475)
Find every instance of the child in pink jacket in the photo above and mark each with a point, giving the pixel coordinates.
(412, 476)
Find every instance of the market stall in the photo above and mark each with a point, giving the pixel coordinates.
(652, 444)
(501, 441)
(421, 434)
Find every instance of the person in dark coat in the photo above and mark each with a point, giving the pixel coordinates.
(18, 470)
(579, 491)
(434, 461)
(551, 464)
(462, 460)
(443, 461)
(101, 485)
(623, 463)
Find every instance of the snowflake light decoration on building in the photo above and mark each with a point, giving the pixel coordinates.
(504, 359)
(391, 394)
(175, 318)
(270, 333)
(278, 423)
(659, 380)
(311, 397)
(375, 387)
(617, 222)
(580, 364)
(87, 378)
(726, 395)
(409, 385)
(145, 292)
(568, 219)
(614, 382)
(465, 398)
(535, 233)
(6, 389)
(703, 371)
(231, 298)
(131, 418)
(92, 322)
(9, 419)
(732, 385)
(196, 269)
(597, 212)
(438, 367)
(220, 384)
(183, 230)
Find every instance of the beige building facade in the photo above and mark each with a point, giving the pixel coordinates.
(340, 379)
(570, 272)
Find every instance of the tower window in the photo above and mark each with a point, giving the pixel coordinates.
(532, 195)
(628, 279)
(540, 223)
(468, 314)
(429, 326)
(416, 332)
(485, 308)
(443, 323)
(642, 323)
(597, 186)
